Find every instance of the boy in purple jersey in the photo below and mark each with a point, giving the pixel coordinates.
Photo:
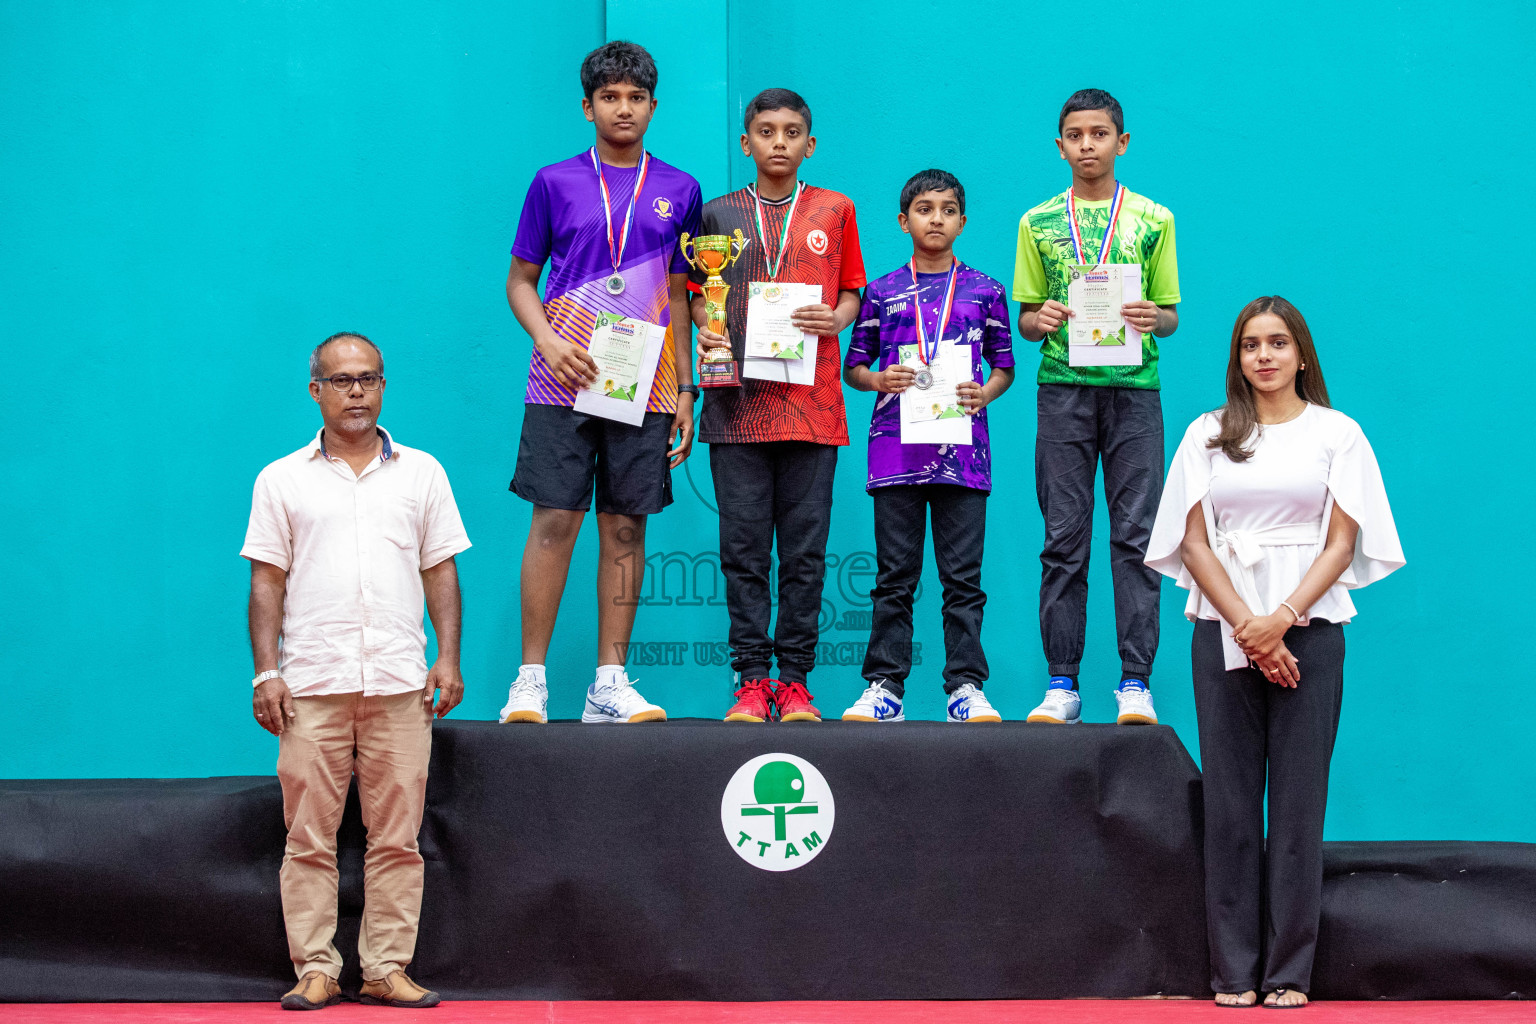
(932, 302)
(607, 221)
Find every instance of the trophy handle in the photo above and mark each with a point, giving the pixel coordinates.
(685, 243)
(738, 243)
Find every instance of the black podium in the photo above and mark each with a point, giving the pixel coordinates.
(588, 862)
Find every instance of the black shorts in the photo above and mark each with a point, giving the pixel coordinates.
(562, 452)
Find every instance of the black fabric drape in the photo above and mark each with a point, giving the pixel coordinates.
(570, 862)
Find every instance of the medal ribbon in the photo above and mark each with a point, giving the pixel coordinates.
(616, 255)
(925, 352)
(775, 262)
(1109, 229)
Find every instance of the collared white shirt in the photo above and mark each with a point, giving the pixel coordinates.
(354, 547)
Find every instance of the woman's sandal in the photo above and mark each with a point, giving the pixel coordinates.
(1272, 1001)
(1246, 1000)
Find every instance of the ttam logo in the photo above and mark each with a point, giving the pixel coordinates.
(777, 812)
(817, 240)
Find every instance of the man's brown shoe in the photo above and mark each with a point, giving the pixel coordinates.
(315, 991)
(398, 990)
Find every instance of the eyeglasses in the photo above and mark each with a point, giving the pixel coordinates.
(343, 382)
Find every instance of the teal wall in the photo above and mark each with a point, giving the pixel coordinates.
(193, 194)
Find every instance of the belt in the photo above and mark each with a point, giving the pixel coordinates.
(1239, 551)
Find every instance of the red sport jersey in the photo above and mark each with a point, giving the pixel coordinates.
(822, 249)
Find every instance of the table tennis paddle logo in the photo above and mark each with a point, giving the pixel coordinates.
(777, 812)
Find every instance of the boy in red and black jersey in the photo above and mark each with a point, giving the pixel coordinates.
(772, 443)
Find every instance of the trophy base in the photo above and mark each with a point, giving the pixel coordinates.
(724, 373)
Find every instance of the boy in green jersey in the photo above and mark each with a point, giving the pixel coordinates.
(1087, 411)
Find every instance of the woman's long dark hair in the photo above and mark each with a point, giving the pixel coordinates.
(1239, 416)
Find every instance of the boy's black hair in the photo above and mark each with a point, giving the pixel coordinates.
(616, 62)
(1092, 99)
(931, 180)
(776, 99)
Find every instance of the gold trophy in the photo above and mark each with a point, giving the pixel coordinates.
(712, 254)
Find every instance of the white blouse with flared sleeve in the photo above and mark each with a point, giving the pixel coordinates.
(1267, 518)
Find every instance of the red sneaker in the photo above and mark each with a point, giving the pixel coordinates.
(794, 703)
(754, 702)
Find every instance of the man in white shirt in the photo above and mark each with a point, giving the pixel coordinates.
(347, 537)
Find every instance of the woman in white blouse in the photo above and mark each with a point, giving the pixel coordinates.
(1273, 511)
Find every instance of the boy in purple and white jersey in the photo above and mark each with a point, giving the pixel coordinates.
(607, 223)
(932, 317)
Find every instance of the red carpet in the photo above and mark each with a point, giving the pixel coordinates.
(1077, 1011)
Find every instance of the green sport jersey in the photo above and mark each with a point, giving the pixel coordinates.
(1143, 235)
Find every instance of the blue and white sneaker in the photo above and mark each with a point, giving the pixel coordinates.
(1062, 705)
(1135, 702)
(876, 704)
(528, 699)
(968, 704)
(613, 698)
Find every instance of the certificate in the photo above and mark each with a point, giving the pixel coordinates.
(626, 351)
(770, 332)
(1097, 335)
(618, 348)
(774, 348)
(933, 415)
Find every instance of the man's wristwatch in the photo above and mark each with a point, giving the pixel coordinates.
(270, 673)
(690, 389)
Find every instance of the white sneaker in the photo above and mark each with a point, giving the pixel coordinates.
(1062, 706)
(615, 699)
(968, 704)
(1135, 705)
(876, 704)
(528, 699)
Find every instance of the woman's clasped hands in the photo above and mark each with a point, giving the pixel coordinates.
(1262, 639)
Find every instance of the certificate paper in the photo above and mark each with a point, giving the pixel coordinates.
(933, 415)
(774, 348)
(1097, 335)
(626, 351)
(618, 346)
(770, 334)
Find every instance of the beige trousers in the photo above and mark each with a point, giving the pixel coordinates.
(387, 742)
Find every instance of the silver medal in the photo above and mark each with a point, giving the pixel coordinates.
(615, 285)
(923, 379)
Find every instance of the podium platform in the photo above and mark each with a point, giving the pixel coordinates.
(580, 862)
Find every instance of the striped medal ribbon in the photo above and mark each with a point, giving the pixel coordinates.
(615, 284)
(775, 262)
(928, 352)
(1109, 229)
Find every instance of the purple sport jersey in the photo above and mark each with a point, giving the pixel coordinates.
(562, 223)
(886, 322)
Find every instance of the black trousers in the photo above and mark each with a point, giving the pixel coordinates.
(773, 491)
(1263, 900)
(959, 534)
(1079, 424)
